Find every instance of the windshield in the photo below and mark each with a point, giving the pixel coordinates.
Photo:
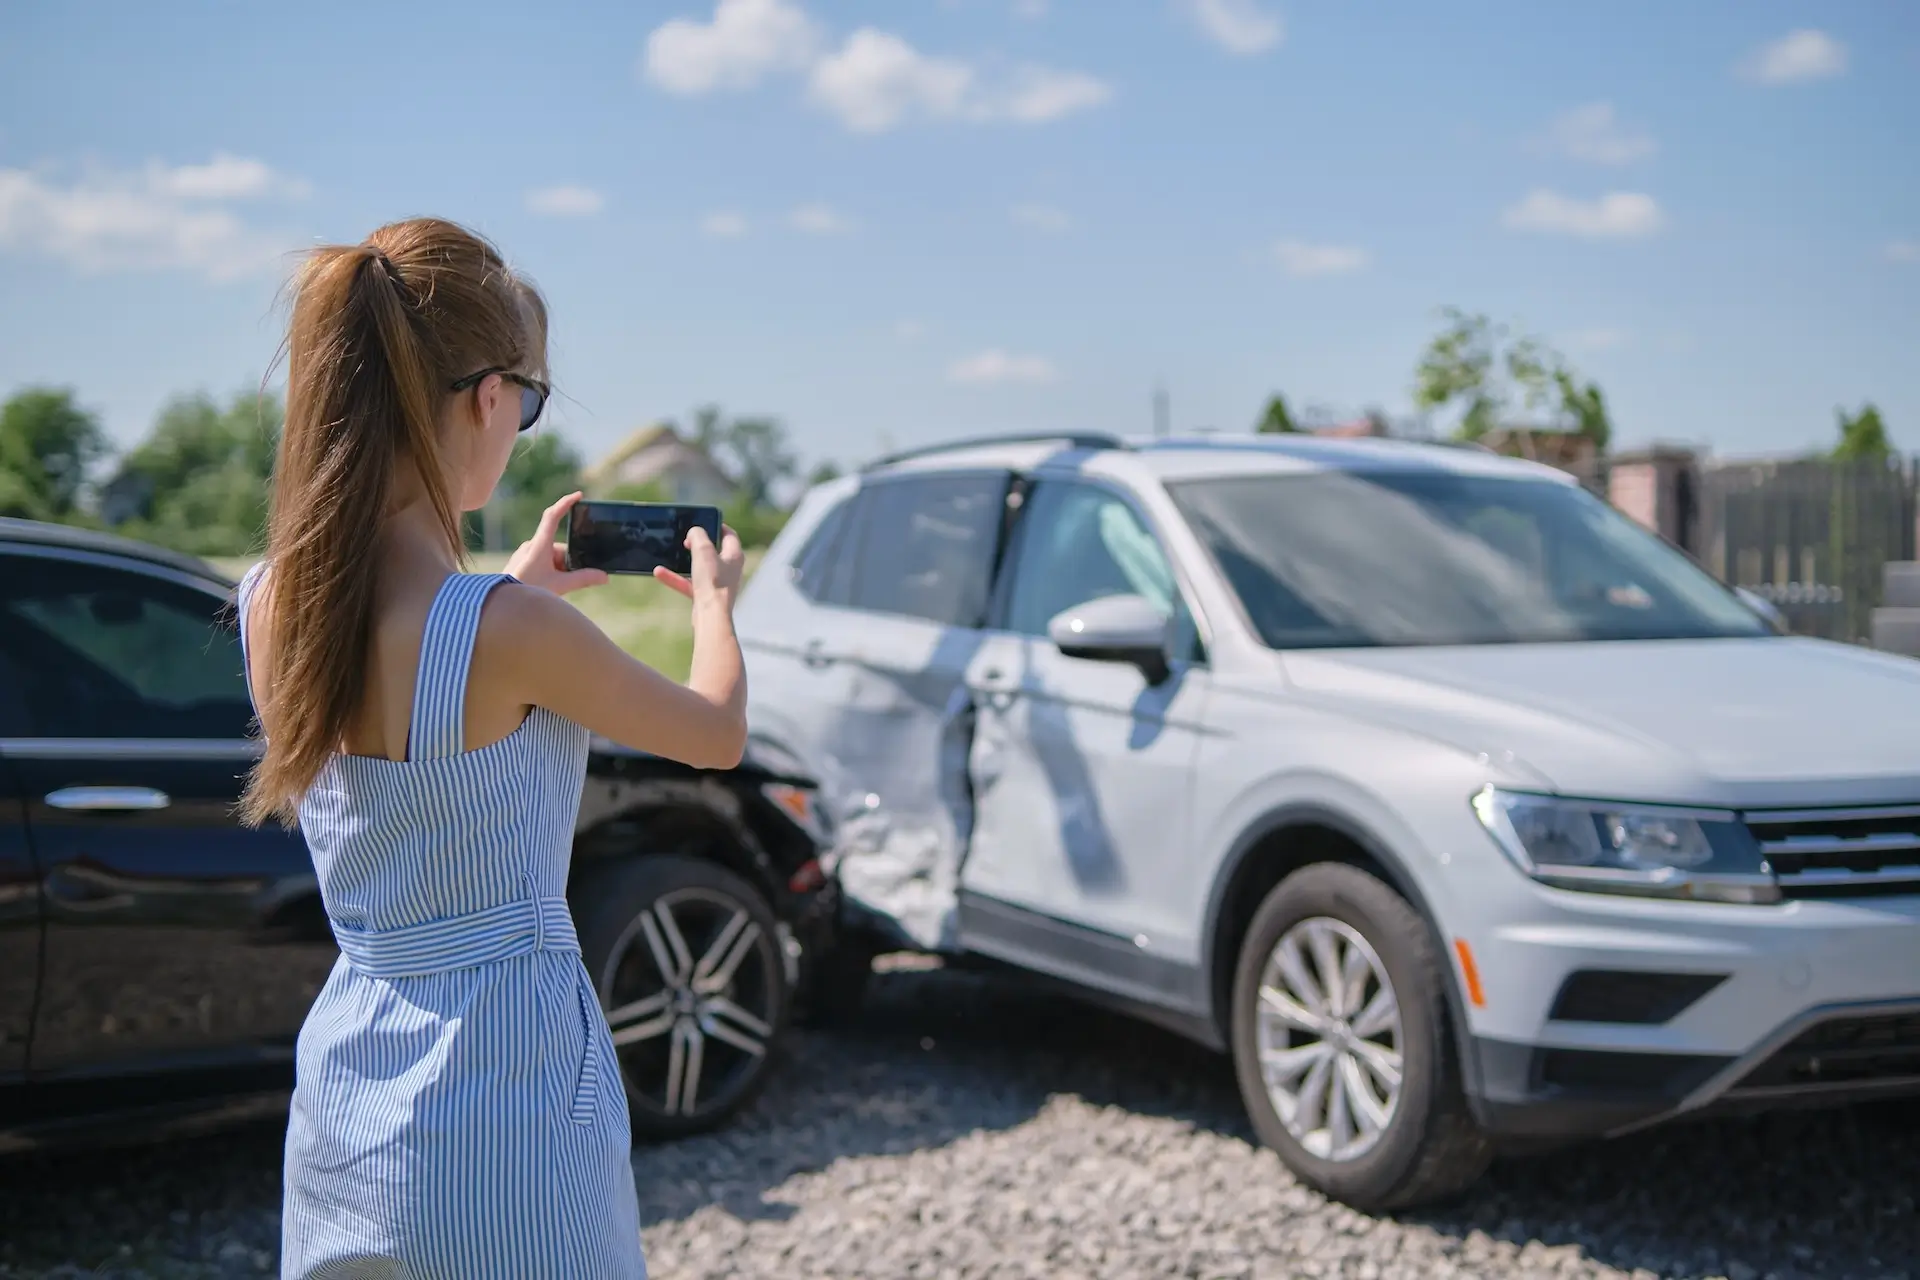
(1350, 559)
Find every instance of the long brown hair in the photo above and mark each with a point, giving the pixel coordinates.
(379, 331)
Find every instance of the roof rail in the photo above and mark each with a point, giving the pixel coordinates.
(1071, 439)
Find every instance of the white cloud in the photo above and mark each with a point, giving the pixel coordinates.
(1239, 26)
(225, 177)
(1903, 251)
(745, 41)
(876, 80)
(997, 366)
(1298, 258)
(724, 224)
(159, 217)
(1035, 95)
(1795, 58)
(1041, 217)
(1599, 339)
(566, 202)
(1595, 134)
(1617, 215)
(872, 82)
(818, 220)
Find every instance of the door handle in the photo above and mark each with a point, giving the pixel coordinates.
(994, 686)
(814, 655)
(108, 799)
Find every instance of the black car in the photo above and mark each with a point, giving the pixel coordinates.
(157, 957)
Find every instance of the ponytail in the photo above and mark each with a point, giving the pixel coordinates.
(378, 333)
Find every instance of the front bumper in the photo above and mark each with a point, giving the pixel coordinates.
(1603, 1015)
(1824, 1056)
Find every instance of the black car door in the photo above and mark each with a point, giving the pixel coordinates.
(174, 936)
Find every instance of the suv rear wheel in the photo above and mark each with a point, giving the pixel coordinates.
(1342, 1045)
(686, 959)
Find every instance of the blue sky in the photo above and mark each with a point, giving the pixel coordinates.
(890, 221)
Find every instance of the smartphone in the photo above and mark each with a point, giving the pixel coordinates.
(636, 537)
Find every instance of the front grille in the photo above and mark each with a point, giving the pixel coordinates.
(1841, 853)
(1869, 1050)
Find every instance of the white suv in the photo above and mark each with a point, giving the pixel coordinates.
(1456, 807)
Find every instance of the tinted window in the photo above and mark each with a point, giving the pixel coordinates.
(1341, 559)
(925, 546)
(1078, 543)
(824, 548)
(106, 653)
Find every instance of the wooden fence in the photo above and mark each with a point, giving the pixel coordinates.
(1810, 536)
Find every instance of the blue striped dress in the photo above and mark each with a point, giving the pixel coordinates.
(458, 1112)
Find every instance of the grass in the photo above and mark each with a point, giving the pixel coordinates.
(641, 616)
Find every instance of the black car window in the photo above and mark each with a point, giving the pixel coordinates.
(1080, 542)
(924, 547)
(111, 653)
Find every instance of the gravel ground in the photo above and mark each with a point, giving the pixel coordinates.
(975, 1128)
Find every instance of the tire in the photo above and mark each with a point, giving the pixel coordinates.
(1425, 1147)
(697, 1023)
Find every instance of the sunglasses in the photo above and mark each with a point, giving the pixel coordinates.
(533, 392)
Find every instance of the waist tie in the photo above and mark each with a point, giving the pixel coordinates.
(511, 929)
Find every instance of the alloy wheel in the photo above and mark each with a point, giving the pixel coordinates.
(690, 989)
(1329, 1039)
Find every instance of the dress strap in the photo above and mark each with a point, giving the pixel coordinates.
(439, 721)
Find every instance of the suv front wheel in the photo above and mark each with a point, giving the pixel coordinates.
(1342, 1046)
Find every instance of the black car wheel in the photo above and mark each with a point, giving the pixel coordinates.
(687, 961)
(1342, 1044)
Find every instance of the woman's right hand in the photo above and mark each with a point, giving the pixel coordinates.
(716, 570)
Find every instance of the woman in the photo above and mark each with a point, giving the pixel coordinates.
(458, 1110)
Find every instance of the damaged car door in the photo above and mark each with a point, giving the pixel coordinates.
(921, 554)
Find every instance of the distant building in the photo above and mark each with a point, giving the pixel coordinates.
(656, 455)
(1358, 428)
(1567, 450)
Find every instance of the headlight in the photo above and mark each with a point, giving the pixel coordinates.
(1706, 855)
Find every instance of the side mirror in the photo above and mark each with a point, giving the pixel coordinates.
(1762, 606)
(1115, 629)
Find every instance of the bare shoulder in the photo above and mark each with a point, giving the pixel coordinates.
(520, 622)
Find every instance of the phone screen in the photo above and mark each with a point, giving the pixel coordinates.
(634, 537)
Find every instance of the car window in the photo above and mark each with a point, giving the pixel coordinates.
(108, 653)
(924, 547)
(1080, 542)
(825, 547)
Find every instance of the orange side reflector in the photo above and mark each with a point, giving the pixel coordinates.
(1472, 974)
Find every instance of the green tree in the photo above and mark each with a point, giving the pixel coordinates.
(708, 429)
(755, 452)
(1585, 407)
(1487, 375)
(198, 482)
(1863, 436)
(824, 472)
(1275, 419)
(47, 445)
(540, 471)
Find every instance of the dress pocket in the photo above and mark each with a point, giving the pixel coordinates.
(586, 1089)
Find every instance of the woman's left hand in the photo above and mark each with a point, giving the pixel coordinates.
(542, 562)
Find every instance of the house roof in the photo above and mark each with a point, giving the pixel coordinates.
(673, 453)
(637, 440)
